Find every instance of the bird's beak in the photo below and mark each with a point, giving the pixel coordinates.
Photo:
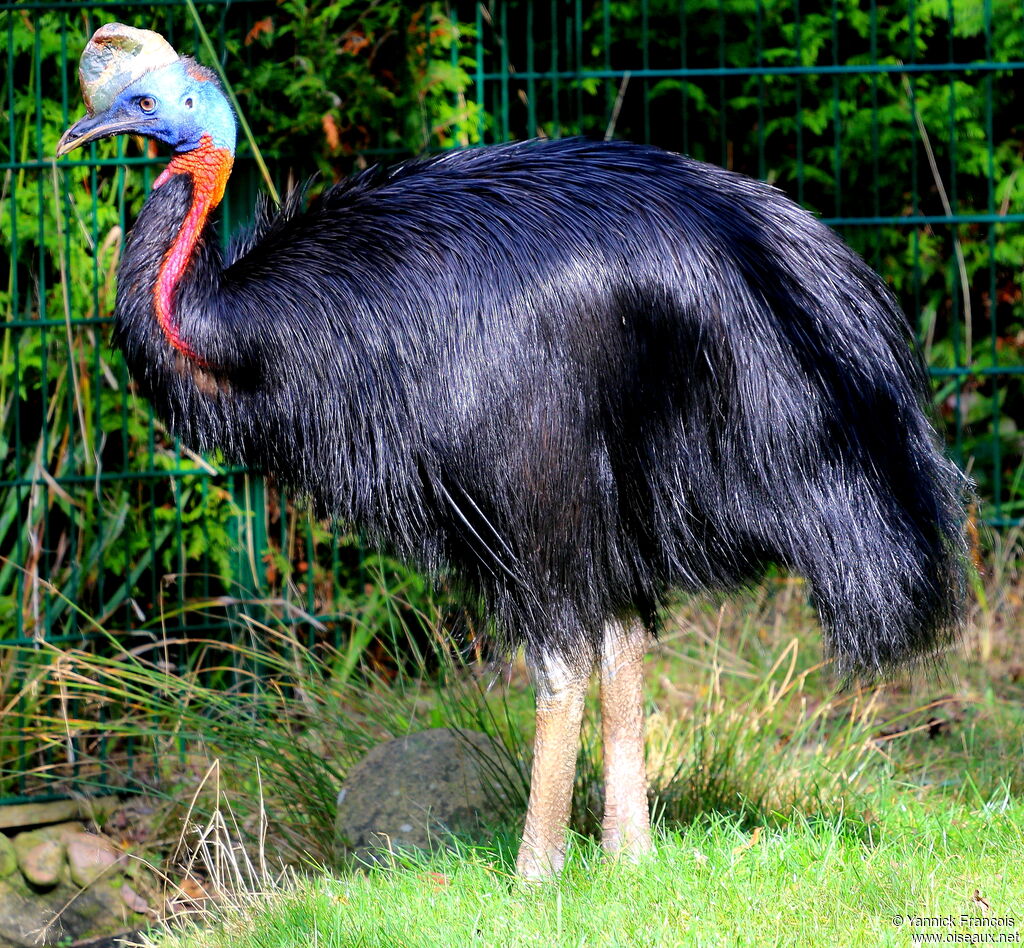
(93, 127)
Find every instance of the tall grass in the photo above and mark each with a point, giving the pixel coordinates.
(300, 715)
(300, 711)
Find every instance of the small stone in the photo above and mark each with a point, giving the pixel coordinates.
(133, 900)
(90, 857)
(8, 857)
(42, 864)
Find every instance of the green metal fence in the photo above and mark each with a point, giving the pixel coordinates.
(108, 526)
(900, 124)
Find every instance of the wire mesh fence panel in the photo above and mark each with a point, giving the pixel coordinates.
(899, 124)
(109, 528)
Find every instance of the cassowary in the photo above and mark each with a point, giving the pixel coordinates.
(571, 375)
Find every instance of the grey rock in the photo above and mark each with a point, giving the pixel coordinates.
(43, 905)
(64, 913)
(133, 900)
(17, 815)
(59, 831)
(418, 791)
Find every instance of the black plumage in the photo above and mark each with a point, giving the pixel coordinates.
(576, 376)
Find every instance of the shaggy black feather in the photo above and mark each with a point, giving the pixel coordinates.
(574, 375)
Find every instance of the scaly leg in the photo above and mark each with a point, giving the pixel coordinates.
(561, 688)
(626, 828)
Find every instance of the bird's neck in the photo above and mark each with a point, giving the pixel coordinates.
(208, 167)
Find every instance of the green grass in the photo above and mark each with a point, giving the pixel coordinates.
(840, 881)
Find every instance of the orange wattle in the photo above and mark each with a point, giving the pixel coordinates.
(209, 167)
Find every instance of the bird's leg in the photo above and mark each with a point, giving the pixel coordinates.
(626, 828)
(561, 686)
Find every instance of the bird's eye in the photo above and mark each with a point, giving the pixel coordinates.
(188, 102)
(147, 103)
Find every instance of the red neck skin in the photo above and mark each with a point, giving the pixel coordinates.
(209, 168)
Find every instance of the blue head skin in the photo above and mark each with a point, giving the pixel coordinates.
(176, 104)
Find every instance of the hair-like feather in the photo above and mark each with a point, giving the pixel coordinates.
(576, 376)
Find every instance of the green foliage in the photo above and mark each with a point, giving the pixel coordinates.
(861, 145)
(70, 428)
(349, 78)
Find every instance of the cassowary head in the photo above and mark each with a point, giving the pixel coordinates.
(134, 82)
